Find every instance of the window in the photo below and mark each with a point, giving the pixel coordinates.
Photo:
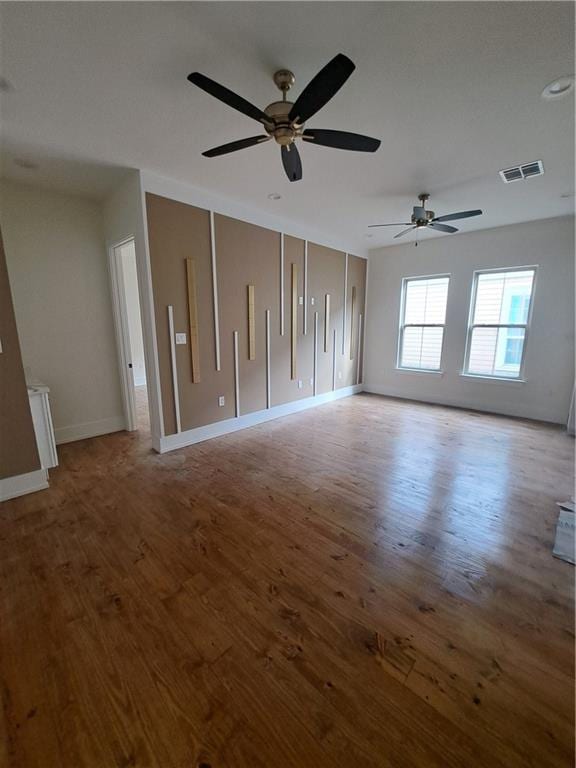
(422, 322)
(499, 322)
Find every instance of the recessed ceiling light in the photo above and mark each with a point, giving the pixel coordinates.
(28, 165)
(274, 196)
(558, 88)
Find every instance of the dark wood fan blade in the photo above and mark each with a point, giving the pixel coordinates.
(342, 140)
(461, 215)
(404, 232)
(228, 97)
(291, 162)
(234, 146)
(321, 88)
(400, 224)
(441, 227)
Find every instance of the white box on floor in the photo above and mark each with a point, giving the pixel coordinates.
(565, 532)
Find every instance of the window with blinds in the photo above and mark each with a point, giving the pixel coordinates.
(498, 326)
(422, 319)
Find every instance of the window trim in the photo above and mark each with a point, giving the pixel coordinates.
(402, 325)
(521, 377)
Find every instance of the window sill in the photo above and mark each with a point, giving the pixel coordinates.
(419, 370)
(492, 378)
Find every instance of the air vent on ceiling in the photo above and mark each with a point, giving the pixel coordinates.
(519, 172)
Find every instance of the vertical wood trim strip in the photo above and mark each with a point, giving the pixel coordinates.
(268, 372)
(215, 291)
(282, 284)
(358, 371)
(326, 321)
(305, 318)
(352, 309)
(315, 353)
(345, 301)
(174, 368)
(334, 361)
(251, 325)
(236, 374)
(294, 321)
(193, 320)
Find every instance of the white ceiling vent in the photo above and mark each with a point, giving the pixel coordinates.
(519, 172)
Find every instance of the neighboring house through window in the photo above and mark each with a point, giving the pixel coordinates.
(499, 319)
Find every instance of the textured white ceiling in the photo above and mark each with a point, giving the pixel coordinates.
(452, 89)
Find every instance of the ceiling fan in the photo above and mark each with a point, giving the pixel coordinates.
(423, 219)
(284, 120)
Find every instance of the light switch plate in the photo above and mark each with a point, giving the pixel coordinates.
(300, 300)
(311, 381)
(339, 374)
(299, 383)
(180, 338)
(221, 401)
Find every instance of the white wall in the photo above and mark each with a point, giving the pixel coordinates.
(130, 280)
(125, 217)
(549, 364)
(58, 270)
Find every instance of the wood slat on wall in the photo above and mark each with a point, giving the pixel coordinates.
(251, 325)
(326, 321)
(193, 320)
(352, 323)
(294, 321)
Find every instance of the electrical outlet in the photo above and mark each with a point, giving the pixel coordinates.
(312, 301)
(339, 374)
(301, 300)
(180, 338)
(221, 401)
(299, 383)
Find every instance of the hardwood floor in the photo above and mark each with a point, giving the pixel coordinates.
(369, 583)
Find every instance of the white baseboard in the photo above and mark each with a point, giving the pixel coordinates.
(466, 405)
(11, 487)
(89, 429)
(219, 428)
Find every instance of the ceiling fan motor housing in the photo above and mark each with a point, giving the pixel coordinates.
(421, 217)
(281, 128)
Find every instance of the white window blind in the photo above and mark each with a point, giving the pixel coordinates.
(422, 322)
(499, 322)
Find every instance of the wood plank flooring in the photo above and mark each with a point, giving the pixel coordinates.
(366, 584)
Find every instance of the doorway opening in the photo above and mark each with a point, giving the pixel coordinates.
(130, 336)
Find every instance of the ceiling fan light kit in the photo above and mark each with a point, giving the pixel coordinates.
(284, 120)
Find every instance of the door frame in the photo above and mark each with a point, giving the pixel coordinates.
(120, 313)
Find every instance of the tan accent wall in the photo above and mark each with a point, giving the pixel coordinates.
(326, 269)
(245, 255)
(18, 450)
(176, 232)
(357, 279)
(285, 389)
